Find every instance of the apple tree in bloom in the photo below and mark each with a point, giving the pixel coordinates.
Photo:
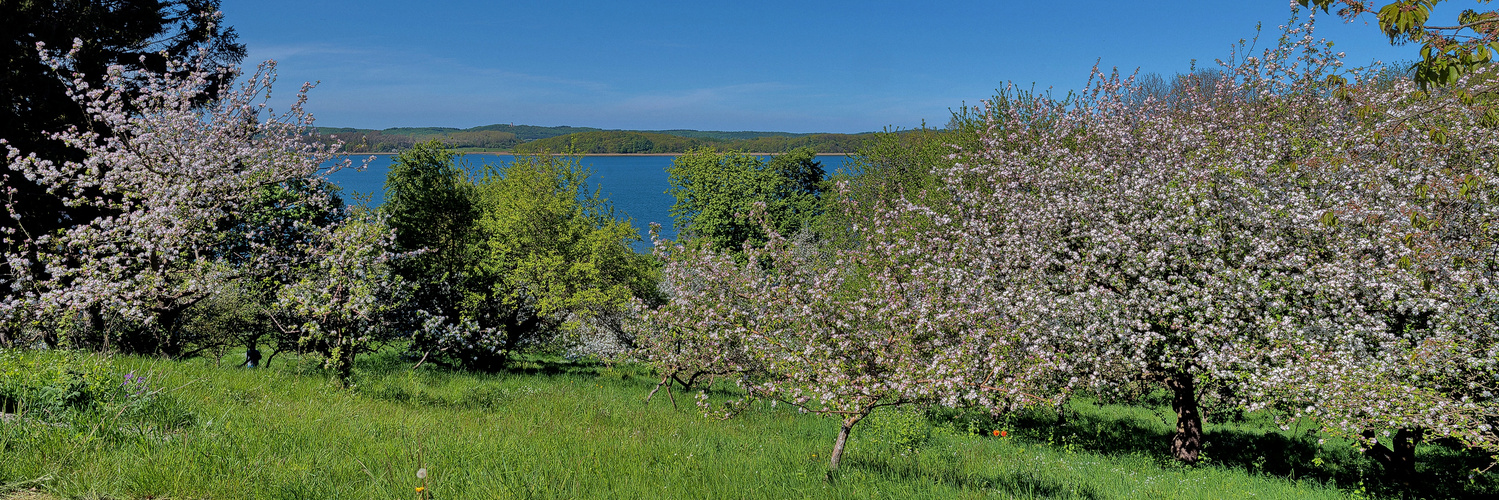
(174, 172)
(697, 335)
(1274, 230)
(838, 333)
(345, 298)
(1418, 225)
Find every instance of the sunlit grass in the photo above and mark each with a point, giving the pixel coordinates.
(559, 430)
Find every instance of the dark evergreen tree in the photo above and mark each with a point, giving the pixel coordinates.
(134, 34)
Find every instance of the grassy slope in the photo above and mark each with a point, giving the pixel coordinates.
(553, 431)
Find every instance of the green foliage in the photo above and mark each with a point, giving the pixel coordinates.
(717, 193)
(632, 142)
(533, 132)
(715, 134)
(400, 139)
(487, 138)
(482, 139)
(548, 253)
(826, 143)
(235, 316)
(796, 197)
(1447, 52)
(524, 256)
(429, 203)
(50, 383)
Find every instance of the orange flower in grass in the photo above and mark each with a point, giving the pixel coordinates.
(996, 432)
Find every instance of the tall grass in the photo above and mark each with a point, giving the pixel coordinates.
(556, 429)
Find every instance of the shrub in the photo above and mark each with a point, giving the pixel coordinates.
(52, 383)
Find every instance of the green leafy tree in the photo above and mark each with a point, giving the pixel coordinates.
(430, 206)
(716, 191)
(429, 200)
(1447, 51)
(797, 195)
(525, 257)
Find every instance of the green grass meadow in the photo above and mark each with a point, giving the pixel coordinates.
(556, 429)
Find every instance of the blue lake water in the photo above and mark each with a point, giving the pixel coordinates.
(635, 184)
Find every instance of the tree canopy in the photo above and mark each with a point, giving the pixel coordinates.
(718, 193)
(521, 255)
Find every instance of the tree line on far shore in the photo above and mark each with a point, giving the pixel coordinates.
(527, 139)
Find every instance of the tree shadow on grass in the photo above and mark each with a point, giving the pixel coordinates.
(1026, 484)
(627, 376)
(551, 366)
(1442, 471)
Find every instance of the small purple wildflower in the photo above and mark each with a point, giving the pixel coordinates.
(137, 383)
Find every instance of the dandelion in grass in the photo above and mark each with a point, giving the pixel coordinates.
(421, 491)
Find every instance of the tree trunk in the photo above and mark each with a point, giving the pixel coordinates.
(1186, 445)
(515, 330)
(1399, 457)
(96, 323)
(665, 382)
(168, 340)
(848, 423)
(345, 368)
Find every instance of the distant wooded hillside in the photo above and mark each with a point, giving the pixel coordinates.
(628, 142)
(587, 140)
(498, 137)
(612, 142)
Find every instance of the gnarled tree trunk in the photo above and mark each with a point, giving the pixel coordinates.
(1186, 445)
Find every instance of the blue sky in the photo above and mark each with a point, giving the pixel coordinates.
(797, 66)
